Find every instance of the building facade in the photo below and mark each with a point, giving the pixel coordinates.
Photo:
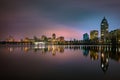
(104, 31)
(53, 36)
(115, 36)
(94, 35)
(85, 37)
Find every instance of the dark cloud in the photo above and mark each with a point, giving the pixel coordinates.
(23, 15)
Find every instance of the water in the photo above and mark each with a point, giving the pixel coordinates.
(61, 62)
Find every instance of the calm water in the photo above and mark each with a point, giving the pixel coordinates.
(60, 62)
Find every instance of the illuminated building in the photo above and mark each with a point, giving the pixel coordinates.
(44, 38)
(26, 39)
(104, 31)
(94, 35)
(40, 44)
(36, 39)
(49, 39)
(10, 39)
(53, 36)
(61, 38)
(115, 36)
(85, 37)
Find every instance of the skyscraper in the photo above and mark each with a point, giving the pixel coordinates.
(94, 34)
(85, 37)
(53, 36)
(104, 31)
(115, 36)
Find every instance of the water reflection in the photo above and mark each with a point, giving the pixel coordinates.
(94, 55)
(85, 51)
(95, 52)
(104, 60)
(106, 52)
(11, 49)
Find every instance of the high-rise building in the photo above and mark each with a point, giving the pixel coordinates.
(61, 38)
(44, 38)
(85, 37)
(94, 35)
(115, 36)
(104, 31)
(53, 36)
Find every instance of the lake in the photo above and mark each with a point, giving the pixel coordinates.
(60, 62)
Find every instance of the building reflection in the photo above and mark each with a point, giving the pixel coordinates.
(115, 53)
(47, 48)
(41, 49)
(26, 49)
(11, 49)
(85, 51)
(94, 55)
(106, 52)
(50, 48)
(92, 51)
(73, 47)
(104, 60)
(97, 52)
(54, 49)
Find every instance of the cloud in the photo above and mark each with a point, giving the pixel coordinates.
(38, 16)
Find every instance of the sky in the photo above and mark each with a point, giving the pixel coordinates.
(68, 18)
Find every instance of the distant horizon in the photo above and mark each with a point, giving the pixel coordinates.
(49, 35)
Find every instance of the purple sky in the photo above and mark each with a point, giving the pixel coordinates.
(68, 18)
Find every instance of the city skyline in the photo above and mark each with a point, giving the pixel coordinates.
(70, 19)
(93, 35)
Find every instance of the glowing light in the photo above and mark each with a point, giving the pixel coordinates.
(39, 45)
(107, 60)
(102, 65)
(102, 55)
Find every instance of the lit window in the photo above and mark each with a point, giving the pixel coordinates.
(102, 24)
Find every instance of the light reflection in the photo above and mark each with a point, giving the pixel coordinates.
(94, 55)
(11, 49)
(26, 49)
(97, 52)
(104, 61)
(119, 49)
